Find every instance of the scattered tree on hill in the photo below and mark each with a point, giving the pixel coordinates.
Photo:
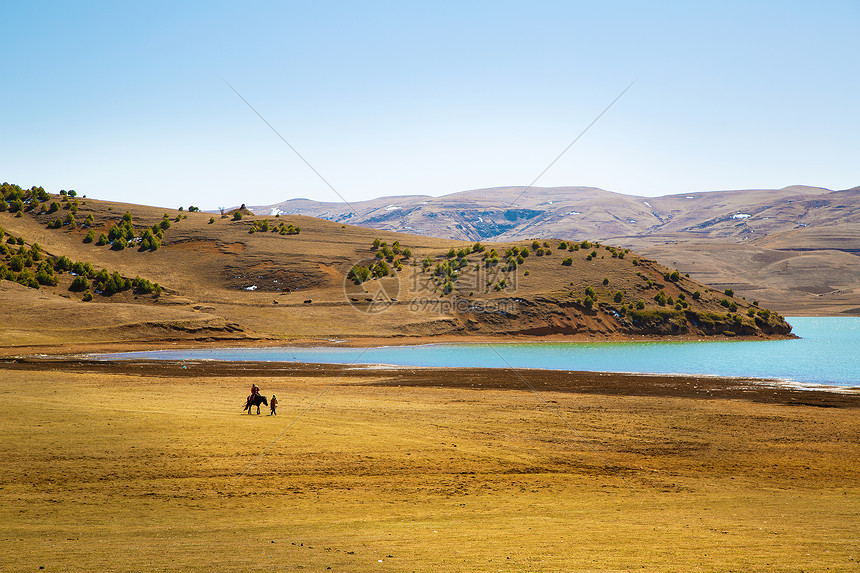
(381, 269)
(62, 264)
(149, 241)
(83, 269)
(26, 278)
(80, 283)
(16, 263)
(143, 286)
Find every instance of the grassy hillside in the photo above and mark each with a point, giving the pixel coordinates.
(730, 239)
(167, 275)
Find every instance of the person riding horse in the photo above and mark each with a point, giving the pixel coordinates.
(255, 399)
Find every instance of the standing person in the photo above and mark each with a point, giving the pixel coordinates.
(273, 403)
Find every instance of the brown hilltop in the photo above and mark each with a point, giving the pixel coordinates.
(223, 282)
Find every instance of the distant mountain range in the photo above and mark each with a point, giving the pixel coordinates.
(798, 244)
(515, 213)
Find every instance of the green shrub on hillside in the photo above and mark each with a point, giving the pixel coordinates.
(83, 269)
(45, 276)
(381, 269)
(62, 264)
(27, 278)
(80, 283)
(149, 241)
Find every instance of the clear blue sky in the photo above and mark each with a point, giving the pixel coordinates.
(127, 100)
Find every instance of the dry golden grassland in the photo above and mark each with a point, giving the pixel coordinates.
(155, 472)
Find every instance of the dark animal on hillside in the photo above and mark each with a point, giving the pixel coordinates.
(255, 400)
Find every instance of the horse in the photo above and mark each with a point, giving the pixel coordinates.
(255, 400)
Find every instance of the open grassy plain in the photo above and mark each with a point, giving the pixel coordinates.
(153, 467)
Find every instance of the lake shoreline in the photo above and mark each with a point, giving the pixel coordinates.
(761, 390)
(36, 350)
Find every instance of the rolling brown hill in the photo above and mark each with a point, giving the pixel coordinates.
(286, 278)
(777, 245)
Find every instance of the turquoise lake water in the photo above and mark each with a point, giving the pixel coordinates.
(826, 353)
